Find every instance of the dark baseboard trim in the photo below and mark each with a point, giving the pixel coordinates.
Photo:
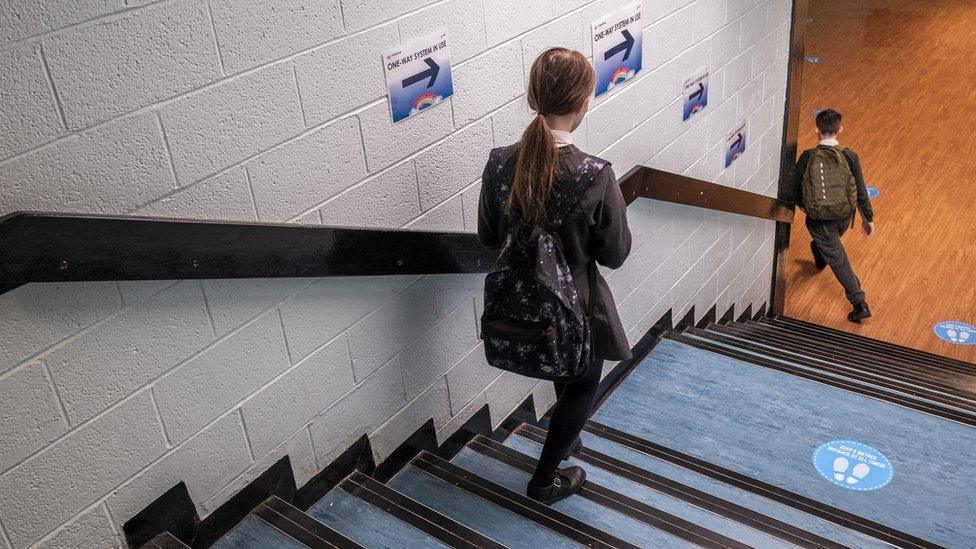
(278, 480)
(729, 316)
(423, 439)
(172, 512)
(687, 321)
(746, 314)
(708, 318)
(358, 457)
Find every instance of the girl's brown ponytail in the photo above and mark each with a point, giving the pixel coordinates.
(560, 82)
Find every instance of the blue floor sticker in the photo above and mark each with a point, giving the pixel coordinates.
(958, 333)
(853, 465)
(873, 192)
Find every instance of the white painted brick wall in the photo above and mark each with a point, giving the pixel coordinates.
(276, 111)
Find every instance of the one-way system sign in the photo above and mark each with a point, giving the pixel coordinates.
(418, 75)
(618, 42)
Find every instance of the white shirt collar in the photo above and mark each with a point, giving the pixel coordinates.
(562, 138)
(829, 142)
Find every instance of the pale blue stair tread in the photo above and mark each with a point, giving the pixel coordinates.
(704, 483)
(658, 500)
(767, 424)
(367, 524)
(499, 524)
(254, 533)
(578, 507)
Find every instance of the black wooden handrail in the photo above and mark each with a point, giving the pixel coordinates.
(644, 182)
(56, 247)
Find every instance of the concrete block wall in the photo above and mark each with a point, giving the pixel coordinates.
(111, 393)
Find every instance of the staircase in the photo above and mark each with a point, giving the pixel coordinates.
(708, 441)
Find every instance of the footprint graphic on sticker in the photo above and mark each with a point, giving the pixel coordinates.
(957, 337)
(840, 468)
(860, 471)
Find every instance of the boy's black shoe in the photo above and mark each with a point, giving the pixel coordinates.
(568, 481)
(859, 313)
(574, 449)
(818, 259)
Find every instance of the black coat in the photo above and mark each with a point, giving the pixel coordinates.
(595, 230)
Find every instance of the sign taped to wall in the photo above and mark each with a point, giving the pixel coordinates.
(618, 43)
(418, 74)
(735, 144)
(696, 93)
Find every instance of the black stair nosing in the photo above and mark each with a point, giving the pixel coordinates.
(301, 527)
(948, 383)
(703, 500)
(805, 351)
(165, 540)
(853, 350)
(519, 504)
(906, 365)
(841, 382)
(416, 514)
(769, 491)
(934, 393)
(908, 352)
(611, 499)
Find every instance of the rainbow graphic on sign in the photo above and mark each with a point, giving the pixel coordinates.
(425, 100)
(620, 74)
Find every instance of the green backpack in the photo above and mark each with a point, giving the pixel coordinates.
(829, 188)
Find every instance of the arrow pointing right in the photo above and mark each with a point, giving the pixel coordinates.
(738, 142)
(430, 73)
(698, 93)
(627, 45)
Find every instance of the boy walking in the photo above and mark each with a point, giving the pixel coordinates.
(829, 186)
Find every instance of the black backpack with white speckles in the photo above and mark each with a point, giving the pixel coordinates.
(533, 323)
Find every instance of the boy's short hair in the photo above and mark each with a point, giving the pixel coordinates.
(828, 121)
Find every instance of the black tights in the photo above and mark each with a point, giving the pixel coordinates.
(574, 401)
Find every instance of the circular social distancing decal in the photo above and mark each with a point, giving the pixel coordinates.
(958, 333)
(853, 465)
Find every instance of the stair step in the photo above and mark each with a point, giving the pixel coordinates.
(853, 355)
(254, 533)
(815, 330)
(165, 540)
(345, 510)
(300, 526)
(505, 516)
(766, 425)
(871, 373)
(880, 390)
(718, 514)
(596, 505)
(722, 484)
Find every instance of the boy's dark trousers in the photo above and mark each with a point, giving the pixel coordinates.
(826, 237)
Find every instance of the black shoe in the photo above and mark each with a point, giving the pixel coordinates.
(859, 313)
(574, 449)
(568, 481)
(818, 259)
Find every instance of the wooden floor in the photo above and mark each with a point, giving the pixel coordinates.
(903, 73)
